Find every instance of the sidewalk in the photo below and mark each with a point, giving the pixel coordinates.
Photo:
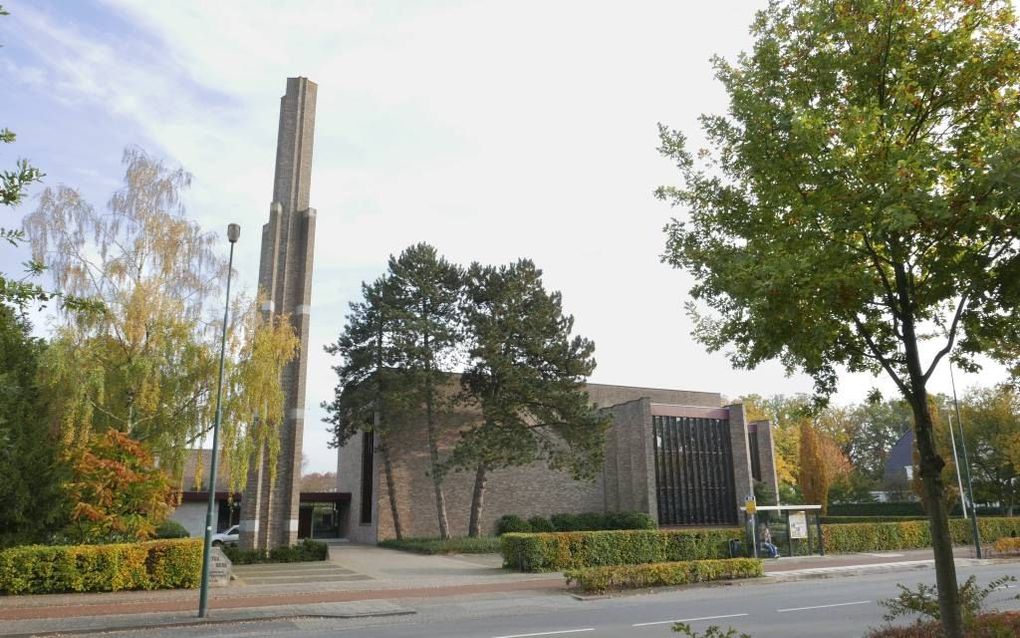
(389, 581)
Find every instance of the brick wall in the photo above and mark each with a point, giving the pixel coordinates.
(766, 456)
(524, 491)
(742, 480)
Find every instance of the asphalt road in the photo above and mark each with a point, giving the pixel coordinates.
(835, 607)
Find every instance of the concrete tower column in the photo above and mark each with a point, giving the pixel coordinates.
(269, 509)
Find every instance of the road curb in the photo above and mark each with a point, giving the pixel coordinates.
(139, 622)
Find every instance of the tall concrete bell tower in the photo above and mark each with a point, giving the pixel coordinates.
(269, 509)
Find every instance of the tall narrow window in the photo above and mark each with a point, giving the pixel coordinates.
(752, 441)
(693, 471)
(367, 474)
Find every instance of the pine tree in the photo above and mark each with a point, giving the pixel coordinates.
(426, 295)
(526, 373)
(31, 498)
(369, 395)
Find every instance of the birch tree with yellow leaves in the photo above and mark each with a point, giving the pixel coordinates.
(147, 365)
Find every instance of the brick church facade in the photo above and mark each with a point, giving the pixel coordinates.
(680, 456)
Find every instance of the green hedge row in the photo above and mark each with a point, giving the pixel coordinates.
(613, 577)
(465, 545)
(572, 550)
(842, 520)
(48, 569)
(306, 550)
(871, 537)
(903, 508)
(586, 522)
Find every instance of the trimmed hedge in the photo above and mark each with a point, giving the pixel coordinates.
(466, 545)
(171, 529)
(613, 577)
(902, 508)
(586, 522)
(306, 550)
(596, 521)
(1007, 545)
(573, 550)
(511, 523)
(872, 537)
(50, 569)
(842, 520)
(540, 524)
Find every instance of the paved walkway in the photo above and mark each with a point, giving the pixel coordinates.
(358, 580)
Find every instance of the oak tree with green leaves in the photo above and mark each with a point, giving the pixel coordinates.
(857, 206)
(526, 372)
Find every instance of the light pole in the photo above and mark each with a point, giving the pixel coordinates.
(233, 232)
(966, 464)
(956, 462)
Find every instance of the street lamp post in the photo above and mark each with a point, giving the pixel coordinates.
(966, 464)
(233, 232)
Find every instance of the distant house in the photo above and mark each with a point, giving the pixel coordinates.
(319, 515)
(899, 468)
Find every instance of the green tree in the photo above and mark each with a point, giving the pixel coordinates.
(31, 475)
(991, 423)
(370, 394)
(785, 415)
(426, 293)
(879, 424)
(526, 372)
(860, 197)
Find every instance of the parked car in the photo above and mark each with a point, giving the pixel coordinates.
(228, 537)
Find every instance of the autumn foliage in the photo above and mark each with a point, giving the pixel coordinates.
(116, 491)
(821, 464)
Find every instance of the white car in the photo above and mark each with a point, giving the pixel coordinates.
(228, 537)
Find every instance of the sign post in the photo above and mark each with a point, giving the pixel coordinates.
(751, 507)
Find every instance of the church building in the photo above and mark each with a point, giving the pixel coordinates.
(680, 456)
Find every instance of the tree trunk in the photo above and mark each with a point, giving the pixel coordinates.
(930, 469)
(938, 518)
(437, 479)
(377, 426)
(477, 502)
(391, 487)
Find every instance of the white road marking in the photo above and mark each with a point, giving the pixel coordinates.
(548, 633)
(857, 602)
(666, 622)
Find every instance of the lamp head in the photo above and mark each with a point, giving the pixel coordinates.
(233, 232)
